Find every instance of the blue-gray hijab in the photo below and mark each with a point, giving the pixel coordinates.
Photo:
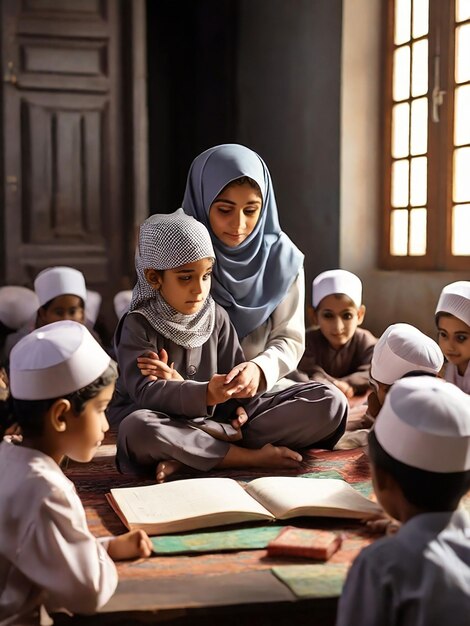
(249, 281)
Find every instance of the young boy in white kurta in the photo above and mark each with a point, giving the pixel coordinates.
(61, 382)
(420, 457)
(453, 325)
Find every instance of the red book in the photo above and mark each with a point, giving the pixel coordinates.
(307, 542)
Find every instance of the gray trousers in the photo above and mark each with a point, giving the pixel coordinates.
(302, 416)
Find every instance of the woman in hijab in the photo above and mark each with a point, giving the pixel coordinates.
(258, 277)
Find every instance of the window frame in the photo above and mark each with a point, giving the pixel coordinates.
(439, 151)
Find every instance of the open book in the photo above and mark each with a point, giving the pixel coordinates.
(204, 502)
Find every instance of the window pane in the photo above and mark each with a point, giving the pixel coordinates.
(462, 10)
(462, 115)
(420, 18)
(419, 126)
(462, 54)
(401, 73)
(419, 73)
(400, 174)
(418, 193)
(400, 130)
(418, 232)
(462, 175)
(461, 230)
(399, 233)
(402, 21)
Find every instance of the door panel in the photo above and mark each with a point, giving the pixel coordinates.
(64, 143)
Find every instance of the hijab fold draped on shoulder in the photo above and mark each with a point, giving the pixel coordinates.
(249, 280)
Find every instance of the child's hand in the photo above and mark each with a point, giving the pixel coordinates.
(155, 366)
(245, 379)
(383, 526)
(132, 545)
(344, 387)
(218, 391)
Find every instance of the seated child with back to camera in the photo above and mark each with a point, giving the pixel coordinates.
(453, 325)
(61, 383)
(419, 451)
(338, 351)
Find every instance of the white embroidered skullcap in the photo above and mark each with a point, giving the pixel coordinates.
(402, 348)
(455, 299)
(169, 241)
(59, 281)
(121, 302)
(337, 282)
(55, 360)
(425, 423)
(17, 306)
(93, 305)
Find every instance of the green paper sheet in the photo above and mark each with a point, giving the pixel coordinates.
(313, 581)
(216, 541)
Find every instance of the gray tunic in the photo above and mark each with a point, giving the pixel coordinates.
(153, 415)
(418, 577)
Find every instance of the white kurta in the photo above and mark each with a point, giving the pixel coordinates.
(418, 577)
(278, 345)
(47, 554)
(452, 376)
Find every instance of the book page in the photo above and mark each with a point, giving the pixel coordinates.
(187, 504)
(287, 496)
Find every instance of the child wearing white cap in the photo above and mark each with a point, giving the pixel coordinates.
(338, 351)
(401, 349)
(18, 306)
(61, 382)
(420, 459)
(453, 325)
(182, 407)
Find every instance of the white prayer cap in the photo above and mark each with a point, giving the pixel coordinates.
(425, 423)
(55, 360)
(122, 301)
(401, 349)
(93, 305)
(59, 281)
(169, 241)
(337, 281)
(455, 299)
(17, 306)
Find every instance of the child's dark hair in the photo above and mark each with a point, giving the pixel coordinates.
(29, 414)
(440, 314)
(244, 180)
(429, 491)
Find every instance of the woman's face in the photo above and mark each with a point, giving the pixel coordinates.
(234, 213)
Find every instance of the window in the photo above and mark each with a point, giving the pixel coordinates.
(426, 221)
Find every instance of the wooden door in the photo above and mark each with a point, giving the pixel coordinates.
(73, 157)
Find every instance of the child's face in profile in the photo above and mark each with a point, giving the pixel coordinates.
(454, 341)
(234, 213)
(338, 317)
(185, 288)
(66, 307)
(85, 432)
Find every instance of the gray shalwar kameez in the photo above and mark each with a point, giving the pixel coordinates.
(153, 415)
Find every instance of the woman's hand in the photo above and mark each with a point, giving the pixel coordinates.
(132, 545)
(246, 379)
(155, 366)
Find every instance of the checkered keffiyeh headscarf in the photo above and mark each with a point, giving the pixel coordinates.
(167, 242)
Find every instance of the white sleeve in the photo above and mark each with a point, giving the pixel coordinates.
(285, 343)
(60, 555)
